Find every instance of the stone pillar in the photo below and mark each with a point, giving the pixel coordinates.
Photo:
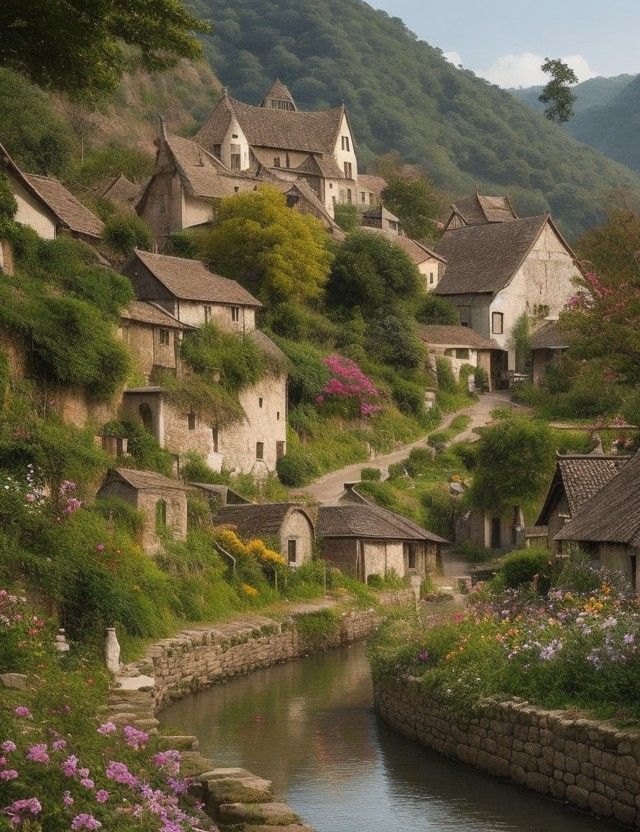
(112, 651)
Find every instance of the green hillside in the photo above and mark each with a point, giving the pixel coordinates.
(591, 93)
(403, 95)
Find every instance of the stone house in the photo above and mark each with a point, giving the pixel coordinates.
(500, 269)
(489, 531)
(480, 210)
(381, 218)
(607, 525)
(430, 264)
(460, 346)
(153, 337)
(288, 525)
(315, 146)
(370, 188)
(577, 478)
(162, 502)
(363, 539)
(547, 344)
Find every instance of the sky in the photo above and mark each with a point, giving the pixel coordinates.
(506, 41)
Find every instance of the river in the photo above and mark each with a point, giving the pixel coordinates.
(309, 727)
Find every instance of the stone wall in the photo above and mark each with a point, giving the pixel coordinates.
(592, 765)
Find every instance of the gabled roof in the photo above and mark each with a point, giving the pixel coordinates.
(550, 337)
(279, 92)
(227, 495)
(145, 312)
(143, 480)
(479, 210)
(455, 336)
(484, 258)
(11, 167)
(191, 280)
(416, 250)
(120, 190)
(311, 132)
(379, 212)
(580, 476)
(612, 515)
(69, 210)
(369, 521)
(373, 183)
(258, 520)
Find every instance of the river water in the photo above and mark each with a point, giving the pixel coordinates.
(309, 727)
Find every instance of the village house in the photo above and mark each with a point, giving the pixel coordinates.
(500, 267)
(547, 345)
(120, 192)
(430, 264)
(192, 296)
(46, 206)
(288, 525)
(460, 345)
(381, 218)
(153, 336)
(161, 501)
(217, 496)
(315, 146)
(607, 526)
(577, 478)
(489, 531)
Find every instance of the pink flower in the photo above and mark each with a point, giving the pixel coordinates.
(70, 765)
(7, 747)
(134, 737)
(85, 821)
(100, 547)
(87, 782)
(67, 799)
(83, 772)
(8, 774)
(119, 773)
(38, 753)
(59, 745)
(23, 712)
(107, 728)
(102, 796)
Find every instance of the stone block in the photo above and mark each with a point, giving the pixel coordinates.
(14, 681)
(579, 797)
(268, 814)
(600, 805)
(249, 789)
(538, 782)
(623, 813)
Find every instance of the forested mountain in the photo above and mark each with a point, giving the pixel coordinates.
(591, 93)
(403, 95)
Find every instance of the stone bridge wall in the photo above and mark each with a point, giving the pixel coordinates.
(592, 765)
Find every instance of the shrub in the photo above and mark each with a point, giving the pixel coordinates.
(124, 232)
(435, 309)
(347, 216)
(418, 460)
(522, 566)
(408, 395)
(308, 375)
(371, 474)
(296, 468)
(438, 441)
(444, 374)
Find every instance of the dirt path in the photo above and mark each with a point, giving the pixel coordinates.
(328, 488)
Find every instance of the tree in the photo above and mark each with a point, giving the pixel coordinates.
(394, 341)
(347, 216)
(513, 462)
(124, 232)
(276, 252)
(557, 93)
(78, 46)
(417, 205)
(435, 309)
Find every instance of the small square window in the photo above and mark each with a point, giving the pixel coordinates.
(191, 421)
(497, 323)
(430, 277)
(259, 450)
(276, 161)
(164, 337)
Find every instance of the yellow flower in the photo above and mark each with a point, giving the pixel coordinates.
(249, 591)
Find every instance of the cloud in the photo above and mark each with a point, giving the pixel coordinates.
(453, 58)
(523, 70)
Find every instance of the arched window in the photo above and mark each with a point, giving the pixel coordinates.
(146, 417)
(161, 515)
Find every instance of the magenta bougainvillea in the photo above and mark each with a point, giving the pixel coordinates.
(350, 388)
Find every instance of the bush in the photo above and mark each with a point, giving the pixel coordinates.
(124, 232)
(435, 309)
(296, 468)
(418, 460)
(371, 474)
(309, 374)
(438, 440)
(522, 566)
(347, 216)
(408, 395)
(444, 374)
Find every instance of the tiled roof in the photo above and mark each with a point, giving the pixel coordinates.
(142, 480)
(311, 132)
(455, 336)
(10, 166)
(580, 476)
(479, 209)
(484, 258)
(290, 186)
(150, 313)
(202, 174)
(257, 520)
(369, 182)
(121, 191)
(549, 337)
(369, 521)
(191, 280)
(280, 92)
(379, 212)
(416, 250)
(612, 515)
(70, 211)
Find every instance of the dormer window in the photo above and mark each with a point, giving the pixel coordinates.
(235, 313)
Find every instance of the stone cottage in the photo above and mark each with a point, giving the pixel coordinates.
(547, 345)
(362, 539)
(153, 336)
(607, 526)
(460, 345)
(500, 269)
(430, 264)
(381, 218)
(288, 525)
(162, 502)
(577, 478)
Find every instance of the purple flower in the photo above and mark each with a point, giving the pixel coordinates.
(87, 782)
(70, 766)
(629, 638)
(119, 773)
(8, 774)
(107, 728)
(7, 747)
(18, 808)
(85, 821)
(83, 772)
(67, 799)
(38, 753)
(23, 712)
(101, 548)
(59, 745)
(423, 656)
(102, 796)
(177, 786)
(134, 737)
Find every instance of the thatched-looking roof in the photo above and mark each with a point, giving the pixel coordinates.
(69, 210)
(144, 480)
(479, 210)
(150, 313)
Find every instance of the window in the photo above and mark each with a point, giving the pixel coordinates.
(287, 161)
(348, 170)
(278, 415)
(164, 337)
(349, 195)
(363, 197)
(235, 313)
(412, 560)
(235, 156)
(279, 450)
(259, 450)
(465, 315)
(345, 143)
(276, 161)
(208, 313)
(430, 277)
(497, 323)
(161, 515)
(260, 401)
(216, 439)
(292, 552)
(191, 421)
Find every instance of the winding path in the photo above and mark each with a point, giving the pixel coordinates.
(328, 488)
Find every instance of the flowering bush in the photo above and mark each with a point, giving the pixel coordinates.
(20, 629)
(349, 391)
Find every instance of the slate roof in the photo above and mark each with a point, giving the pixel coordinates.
(306, 192)
(416, 250)
(257, 519)
(311, 132)
(121, 191)
(369, 521)
(150, 313)
(202, 174)
(484, 258)
(191, 280)
(226, 494)
(549, 337)
(479, 209)
(17, 173)
(612, 515)
(70, 211)
(455, 336)
(143, 480)
(580, 476)
(279, 91)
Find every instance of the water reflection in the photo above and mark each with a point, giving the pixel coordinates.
(309, 727)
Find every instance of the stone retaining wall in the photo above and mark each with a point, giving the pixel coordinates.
(592, 765)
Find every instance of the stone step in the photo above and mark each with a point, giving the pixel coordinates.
(179, 743)
(248, 789)
(265, 814)
(225, 773)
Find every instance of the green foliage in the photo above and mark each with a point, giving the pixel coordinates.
(319, 629)
(557, 93)
(371, 474)
(417, 205)
(434, 309)
(396, 341)
(277, 253)
(408, 395)
(514, 458)
(296, 467)
(520, 341)
(388, 582)
(300, 323)
(123, 514)
(55, 47)
(308, 374)
(103, 163)
(203, 396)
(143, 449)
(347, 216)
(444, 374)
(8, 204)
(124, 232)
(521, 567)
